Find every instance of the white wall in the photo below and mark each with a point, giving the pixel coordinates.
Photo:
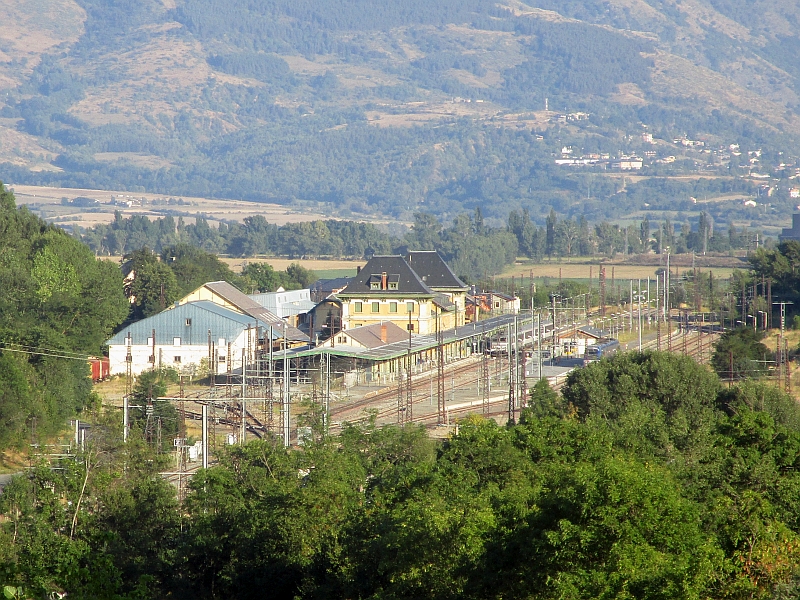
(166, 353)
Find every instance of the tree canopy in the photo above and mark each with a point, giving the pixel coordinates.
(58, 304)
(681, 489)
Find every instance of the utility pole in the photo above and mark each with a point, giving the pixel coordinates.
(788, 367)
(485, 375)
(441, 402)
(125, 426)
(630, 312)
(511, 382)
(153, 355)
(783, 351)
(602, 291)
(539, 340)
(666, 290)
(286, 393)
(555, 331)
(658, 316)
(409, 390)
(270, 386)
(128, 387)
(640, 315)
(204, 442)
(326, 392)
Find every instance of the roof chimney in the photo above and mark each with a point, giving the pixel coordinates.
(384, 333)
(358, 269)
(383, 281)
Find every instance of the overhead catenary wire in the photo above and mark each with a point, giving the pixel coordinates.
(39, 351)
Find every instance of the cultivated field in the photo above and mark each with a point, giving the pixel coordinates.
(46, 202)
(323, 268)
(583, 270)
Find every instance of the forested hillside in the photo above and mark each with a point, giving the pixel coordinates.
(646, 480)
(395, 107)
(58, 304)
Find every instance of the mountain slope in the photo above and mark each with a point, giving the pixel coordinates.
(391, 106)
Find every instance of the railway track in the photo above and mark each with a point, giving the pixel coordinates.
(462, 376)
(695, 343)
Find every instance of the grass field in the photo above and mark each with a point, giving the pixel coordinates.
(325, 269)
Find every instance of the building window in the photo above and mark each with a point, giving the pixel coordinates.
(176, 359)
(497, 305)
(392, 307)
(341, 339)
(221, 359)
(375, 285)
(176, 341)
(392, 285)
(358, 307)
(410, 307)
(188, 322)
(376, 307)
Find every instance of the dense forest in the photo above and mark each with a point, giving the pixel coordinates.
(645, 479)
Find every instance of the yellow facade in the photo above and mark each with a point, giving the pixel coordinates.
(358, 312)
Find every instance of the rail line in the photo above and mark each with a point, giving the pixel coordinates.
(463, 375)
(697, 343)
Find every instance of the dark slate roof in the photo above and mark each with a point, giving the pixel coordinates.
(252, 308)
(396, 269)
(433, 270)
(329, 285)
(370, 335)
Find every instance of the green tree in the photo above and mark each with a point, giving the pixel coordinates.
(151, 416)
(154, 286)
(544, 401)
(739, 354)
(654, 402)
(55, 299)
(614, 528)
(299, 277)
(192, 267)
(262, 277)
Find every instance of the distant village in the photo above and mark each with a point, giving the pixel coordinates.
(773, 177)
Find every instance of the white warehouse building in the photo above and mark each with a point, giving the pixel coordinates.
(185, 337)
(211, 326)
